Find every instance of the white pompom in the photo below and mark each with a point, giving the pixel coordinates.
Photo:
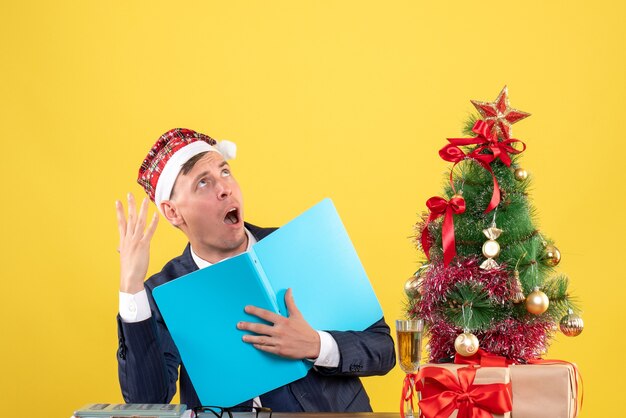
(227, 149)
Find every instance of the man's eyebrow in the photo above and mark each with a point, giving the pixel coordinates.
(206, 172)
(199, 176)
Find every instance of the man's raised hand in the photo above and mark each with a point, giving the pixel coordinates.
(134, 245)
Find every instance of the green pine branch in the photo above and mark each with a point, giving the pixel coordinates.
(469, 124)
(468, 306)
(560, 300)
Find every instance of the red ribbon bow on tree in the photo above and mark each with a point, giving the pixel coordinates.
(489, 141)
(443, 394)
(455, 155)
(439, 206)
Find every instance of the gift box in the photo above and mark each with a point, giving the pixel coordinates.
(449, 389)
(545, 390)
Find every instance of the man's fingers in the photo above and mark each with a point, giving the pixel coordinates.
(121, 219)
(264, 314)
(257, 339)
(292, 309)
(131, 229)
(267, 348)
(141, 220)
(255, 327)
(130, 225)
(262, 343)
(152, 226)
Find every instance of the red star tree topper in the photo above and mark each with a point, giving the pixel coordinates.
(499, 114)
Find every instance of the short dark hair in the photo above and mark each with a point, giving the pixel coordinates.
(186, 168)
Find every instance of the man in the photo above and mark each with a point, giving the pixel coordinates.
(187, 176)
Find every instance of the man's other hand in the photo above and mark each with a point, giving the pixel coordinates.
(134, 246)
(290, 337)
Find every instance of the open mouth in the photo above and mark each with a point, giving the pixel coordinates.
(232, 217)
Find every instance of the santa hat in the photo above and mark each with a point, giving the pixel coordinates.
(159, 170)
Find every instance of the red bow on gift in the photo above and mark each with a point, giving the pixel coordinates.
(439, 206)
(484, 359)
(442, 393)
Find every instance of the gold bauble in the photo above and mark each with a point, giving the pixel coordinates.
(537, 302)
(551, 255)
(571, 324)
(520, 174)
(491, 248)
(466, 344)
(412, 286)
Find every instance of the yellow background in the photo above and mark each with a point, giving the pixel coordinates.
(349, 100)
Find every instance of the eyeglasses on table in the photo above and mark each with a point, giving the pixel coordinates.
(222, 412)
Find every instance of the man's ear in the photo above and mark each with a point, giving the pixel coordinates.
(171, 213)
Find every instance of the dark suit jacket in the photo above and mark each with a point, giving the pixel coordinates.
(148, 359)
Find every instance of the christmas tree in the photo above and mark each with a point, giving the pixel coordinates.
(489, 277)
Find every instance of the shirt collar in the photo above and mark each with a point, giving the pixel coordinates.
(202, 263)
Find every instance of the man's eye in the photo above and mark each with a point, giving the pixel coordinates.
(202, 183)
(225, 172)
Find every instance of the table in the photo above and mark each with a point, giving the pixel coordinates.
(321, 415)
(336, 415)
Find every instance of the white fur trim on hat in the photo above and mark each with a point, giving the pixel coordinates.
(227, 149)
(172, 168)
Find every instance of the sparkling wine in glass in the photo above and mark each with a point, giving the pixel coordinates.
(409, 336)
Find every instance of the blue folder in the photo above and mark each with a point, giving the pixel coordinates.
(314, 256)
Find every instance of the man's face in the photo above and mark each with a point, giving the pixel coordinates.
(209, 206)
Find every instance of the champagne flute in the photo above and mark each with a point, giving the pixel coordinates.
(409, 336)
